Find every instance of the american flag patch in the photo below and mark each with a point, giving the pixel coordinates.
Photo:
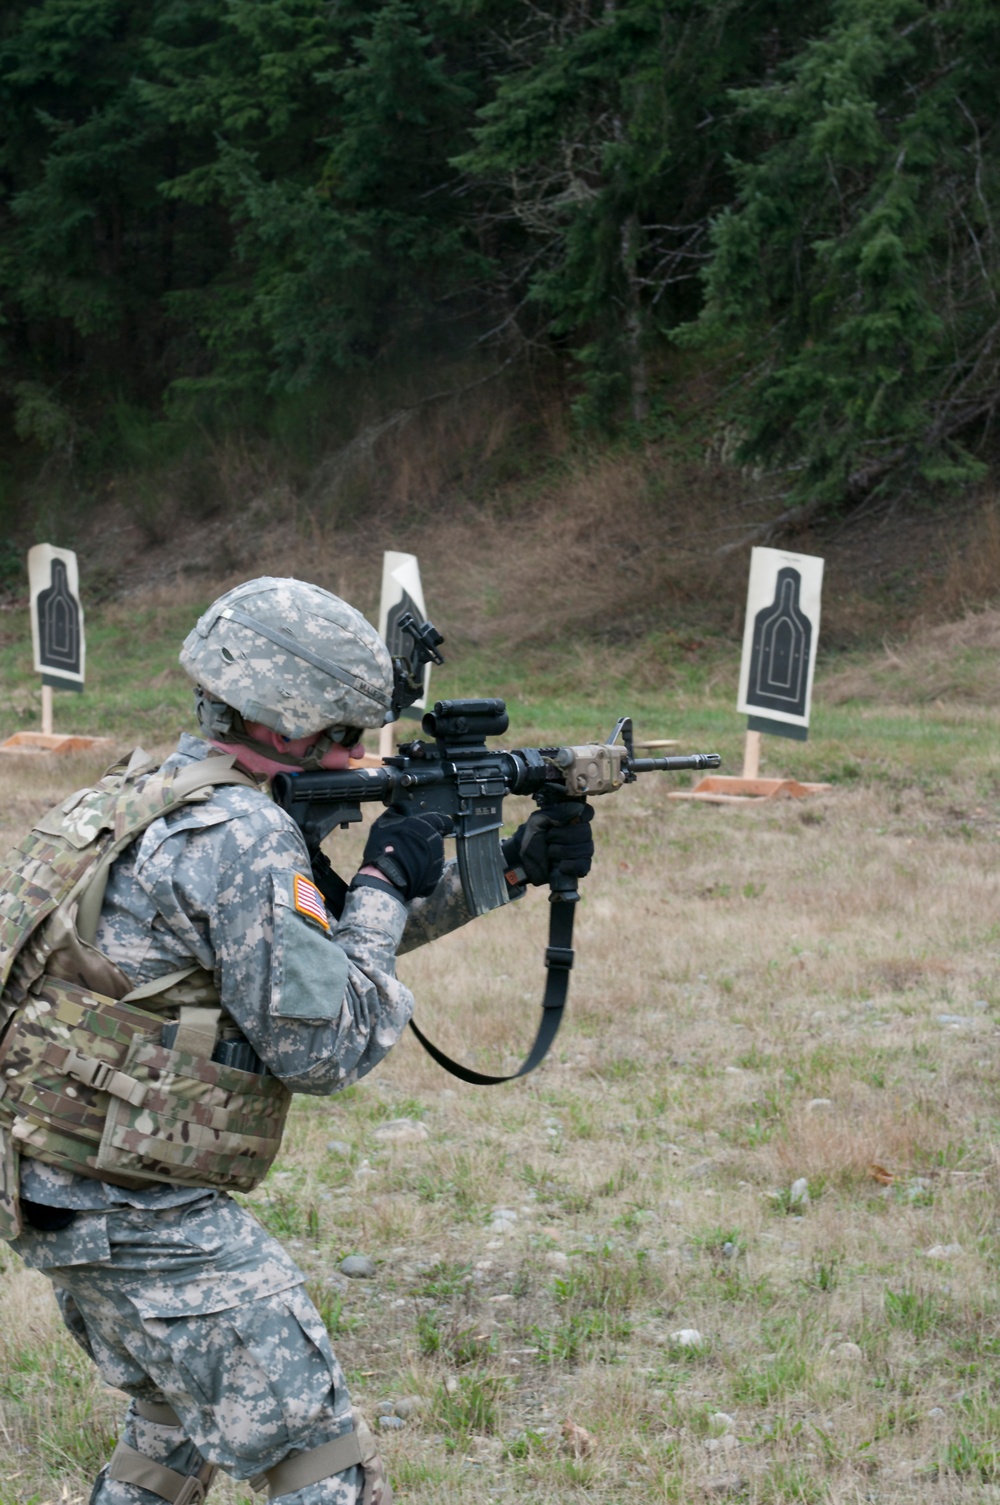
(309, 901)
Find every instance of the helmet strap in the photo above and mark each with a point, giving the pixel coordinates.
(220, 723)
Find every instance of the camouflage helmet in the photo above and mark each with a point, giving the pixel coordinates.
(292, 656)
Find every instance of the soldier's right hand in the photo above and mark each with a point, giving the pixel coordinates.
(409, 851)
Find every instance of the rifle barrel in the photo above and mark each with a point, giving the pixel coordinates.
(675, 765)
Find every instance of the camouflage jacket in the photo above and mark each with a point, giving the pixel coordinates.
(214, 884)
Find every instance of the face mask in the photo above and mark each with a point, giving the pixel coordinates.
(293, 752)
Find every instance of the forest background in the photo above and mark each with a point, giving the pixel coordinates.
(759, 232)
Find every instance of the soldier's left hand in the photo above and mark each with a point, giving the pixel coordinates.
(556, 840)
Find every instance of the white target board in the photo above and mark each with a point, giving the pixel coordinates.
(56, 617)
(780, 639)
(402, 593)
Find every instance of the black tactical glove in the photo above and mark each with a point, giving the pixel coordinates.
(409, 850)
(556, 840)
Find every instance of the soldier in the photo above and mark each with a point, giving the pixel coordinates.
(172, 976)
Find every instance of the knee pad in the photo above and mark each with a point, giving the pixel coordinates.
(129, 1467)
(352, 1449)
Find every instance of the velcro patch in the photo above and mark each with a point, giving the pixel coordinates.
(309, 900)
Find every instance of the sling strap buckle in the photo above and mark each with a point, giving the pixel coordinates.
(559, 956)
(100, 1075)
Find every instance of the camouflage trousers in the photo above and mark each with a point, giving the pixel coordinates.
(197, 1307)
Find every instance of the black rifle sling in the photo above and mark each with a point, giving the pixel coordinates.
(330, 884)
(558, 960)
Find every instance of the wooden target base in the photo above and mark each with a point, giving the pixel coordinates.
(33, 743)
(718, 789)
(726, 789)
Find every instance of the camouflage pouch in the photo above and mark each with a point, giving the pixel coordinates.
(10, 1201)
(59, 1058)
(377, 1489)
(67, 1031)
(89, 1087)
(195, 1122)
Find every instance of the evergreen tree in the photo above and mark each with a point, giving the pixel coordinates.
(332, 131)
(84, 230)
(857, 271)
(359, 239)
(606, 148)
(243, 196)
(226, 194)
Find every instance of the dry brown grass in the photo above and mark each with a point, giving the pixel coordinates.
(972, 575)
(520, 533)
(733, 967)
(525, 536)
(950, 661)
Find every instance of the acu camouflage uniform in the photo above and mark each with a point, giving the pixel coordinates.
(177, 1293)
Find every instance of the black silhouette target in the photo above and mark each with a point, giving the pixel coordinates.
(59, 633)
(779, 656)
(780, 640)
(58, 623)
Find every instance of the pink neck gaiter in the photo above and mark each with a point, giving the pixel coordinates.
(253, 761)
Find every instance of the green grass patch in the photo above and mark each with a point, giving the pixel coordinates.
(471, 1406)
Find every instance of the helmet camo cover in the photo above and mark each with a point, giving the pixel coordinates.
(292, 656)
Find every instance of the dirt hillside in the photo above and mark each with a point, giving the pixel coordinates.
(524, 537)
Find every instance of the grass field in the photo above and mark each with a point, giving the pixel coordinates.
(783, 995)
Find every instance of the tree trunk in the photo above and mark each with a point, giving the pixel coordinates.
(638, 374)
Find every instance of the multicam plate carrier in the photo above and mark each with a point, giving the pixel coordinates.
(85, 1083)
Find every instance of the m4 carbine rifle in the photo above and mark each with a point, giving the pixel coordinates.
(458, 776)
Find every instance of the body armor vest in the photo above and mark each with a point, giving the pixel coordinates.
(87, 1082)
